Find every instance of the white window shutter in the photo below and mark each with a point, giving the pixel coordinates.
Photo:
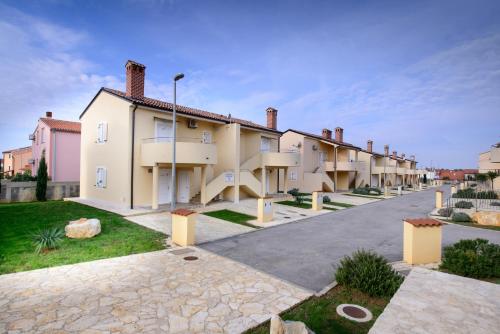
(99, 132)
(104, 177)
(104, 132)
(98, 177)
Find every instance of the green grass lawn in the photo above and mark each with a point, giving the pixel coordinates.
(304, 205)
(19, 221)
(320, 315)
(233, 217)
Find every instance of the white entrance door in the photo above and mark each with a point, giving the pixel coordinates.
(165, 184)
(163, 130)
(183, 187)
(265, 144)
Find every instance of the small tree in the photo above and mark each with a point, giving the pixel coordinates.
(41, 181)
(491, 175)
(481, 178)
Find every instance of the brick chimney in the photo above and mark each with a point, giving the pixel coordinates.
(272, 118)
(386, 150)
(394, 154)
(339, 134)
(48, 114)
(135, 79)
(327, 134)
(369, 146)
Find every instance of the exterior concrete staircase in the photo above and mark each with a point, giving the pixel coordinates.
(328, 182)
(250, 182)
(217, 185)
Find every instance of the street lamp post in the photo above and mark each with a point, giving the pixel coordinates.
(173, 197)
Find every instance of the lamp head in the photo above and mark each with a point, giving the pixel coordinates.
(179, 76)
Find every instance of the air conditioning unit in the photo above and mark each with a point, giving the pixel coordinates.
(32, 137)
(192, 124)
(31, 161)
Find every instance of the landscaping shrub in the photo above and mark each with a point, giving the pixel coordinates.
(460, 217)
(367, 191)
(472, 258)
(471, 193)
(294, 192)
(41, 182)
(445, 212)
(326, 199)
(369, 273)
(23, 177)
(495, 203)
(48, 239)
(299, 200)
(463, 205)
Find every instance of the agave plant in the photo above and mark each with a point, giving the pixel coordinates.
(48, 239)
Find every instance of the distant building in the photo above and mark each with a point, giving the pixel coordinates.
(60, 142)
(489, 161)
(456, 174)
(16, 160)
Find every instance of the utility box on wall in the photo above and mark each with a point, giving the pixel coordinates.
(422, 241)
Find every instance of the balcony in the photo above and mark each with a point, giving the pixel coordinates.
(329, 166)
(382, 170)
(401, 170)
(347, 166)
(495, 155)
(191, 151)
(280, 159)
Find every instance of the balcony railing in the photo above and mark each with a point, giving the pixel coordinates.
(347, 166)
(193, 151)
(382, 170)
(280, 159)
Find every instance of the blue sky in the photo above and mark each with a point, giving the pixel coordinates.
(422, 76)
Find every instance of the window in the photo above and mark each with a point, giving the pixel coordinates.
(292, 176)
(102, 132)
(101, 176)
(42, 139)
(36, 136)
(206, 137)
(265, 144)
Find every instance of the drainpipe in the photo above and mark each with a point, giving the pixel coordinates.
(132, 160)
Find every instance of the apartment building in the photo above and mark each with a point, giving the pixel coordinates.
(126, 151)
(16, 161)
(489, 161)
(328, 164)
(59, 141)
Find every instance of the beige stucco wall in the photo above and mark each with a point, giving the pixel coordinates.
(486, 164)
(114, 154)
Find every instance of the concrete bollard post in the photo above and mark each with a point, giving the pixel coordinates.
(265, 210)
(400, 190)
(422, 241)
(386, 191)
(439, 199)
(183, 227)
(420, 186)
(453, 189)
(317, 200)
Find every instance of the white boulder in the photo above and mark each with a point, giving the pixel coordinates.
(83, 228)
(278, 326)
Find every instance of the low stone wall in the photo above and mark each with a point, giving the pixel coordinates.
(26, 191)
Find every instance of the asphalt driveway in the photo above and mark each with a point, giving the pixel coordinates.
(307, 252)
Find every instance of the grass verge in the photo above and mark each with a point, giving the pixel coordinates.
(302, 205)
(364, 196)
(233, 217)
(19, 221)
(320, 315)
(339, 204)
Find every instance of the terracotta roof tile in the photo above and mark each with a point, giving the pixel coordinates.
(183, 212)
(154, 103)
(60, 125)
(321, 138)
(423, 222)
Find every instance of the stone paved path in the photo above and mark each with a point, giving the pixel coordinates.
(433, 302)
(145, 293)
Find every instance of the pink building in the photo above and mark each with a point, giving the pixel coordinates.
(60, 140)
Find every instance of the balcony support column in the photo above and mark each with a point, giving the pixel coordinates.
(203, 187)
(285, 181)
(263, 180)
(155, 188)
